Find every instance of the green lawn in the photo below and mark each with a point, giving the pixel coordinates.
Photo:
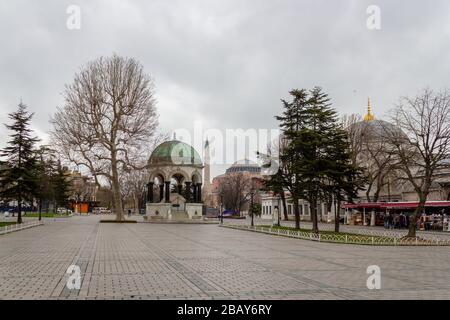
(3, 224)
(36, 215)
(43, 215)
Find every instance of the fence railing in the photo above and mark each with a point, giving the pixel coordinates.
(16, 227)
(342, 238)
(396, 233)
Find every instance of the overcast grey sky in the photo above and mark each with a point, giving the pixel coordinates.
(227, 63)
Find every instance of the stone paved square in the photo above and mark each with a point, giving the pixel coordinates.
(179, 261)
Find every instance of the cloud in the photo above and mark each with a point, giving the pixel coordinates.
(227, 63)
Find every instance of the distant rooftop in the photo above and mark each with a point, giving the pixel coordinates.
(244, 165)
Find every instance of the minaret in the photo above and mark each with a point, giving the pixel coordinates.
(206, 170)
(206, 175)
(369, 116)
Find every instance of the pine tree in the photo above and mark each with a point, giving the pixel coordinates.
(315, 158)
(290, 122)
(344, 178)
(18, 175)
(61, 186)
(44, 176)
(324, 162)
(276, 185)
(318, 121)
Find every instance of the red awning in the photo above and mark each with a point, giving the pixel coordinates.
(396, 205)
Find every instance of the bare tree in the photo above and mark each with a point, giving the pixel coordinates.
(107, 121)
(235, 190)
(370, 151)
(104, 197)
(133, 184)
(349, 123)
(274, 149)
(420, 141)
(82, 188)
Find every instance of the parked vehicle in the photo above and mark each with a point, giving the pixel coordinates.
(101, 210)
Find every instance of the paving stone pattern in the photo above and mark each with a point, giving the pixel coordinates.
(162, 261)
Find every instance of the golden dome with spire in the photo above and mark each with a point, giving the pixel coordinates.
(369, 116)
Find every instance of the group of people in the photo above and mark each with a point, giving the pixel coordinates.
(433, 222)
(424, 222)
(397, 221)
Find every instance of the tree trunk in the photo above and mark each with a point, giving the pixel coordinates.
(376, 195)
(296, 212)
(413, 218)
(251, 211)
(337, 215)
(369, 188)
(19, 208)
(283, 201)
(117, 199)
(313, 204)
(136, 204)
(40, 209)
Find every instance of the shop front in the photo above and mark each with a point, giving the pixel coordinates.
(435, 215)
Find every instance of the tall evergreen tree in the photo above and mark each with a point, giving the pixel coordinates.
(276, 185)
(325, 160)
(61, 186)
(315, 158)
(287, 176)
(18, 175)
(344, 177)
(315, 137)
(45, 169)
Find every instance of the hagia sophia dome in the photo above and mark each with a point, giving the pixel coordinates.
(244, 165)
(374, 129)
